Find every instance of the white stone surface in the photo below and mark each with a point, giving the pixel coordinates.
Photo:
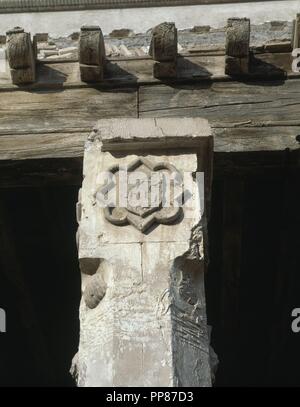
(4, 68)
(141, 19)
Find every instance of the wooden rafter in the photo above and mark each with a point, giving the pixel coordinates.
(23, 6)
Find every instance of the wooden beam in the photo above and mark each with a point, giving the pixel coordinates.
(68, 171)
(131, 72)
(226, 104)
(42, 145)
(32, 146)
(25, 6)
(256, 139)
(63, 111)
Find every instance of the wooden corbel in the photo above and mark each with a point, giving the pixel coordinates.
(163, 49)
(237, 47)
(21, 56)
(92, 57)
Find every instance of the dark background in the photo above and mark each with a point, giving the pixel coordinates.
(252, 285)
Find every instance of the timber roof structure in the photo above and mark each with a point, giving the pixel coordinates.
(23, 6)
(53, 99)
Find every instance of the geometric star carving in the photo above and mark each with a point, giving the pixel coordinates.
(144, 216)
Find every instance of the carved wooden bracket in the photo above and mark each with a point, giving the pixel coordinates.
(163, 49)
(91, 54)
(237, 46)
(143, 217)
(21, 56)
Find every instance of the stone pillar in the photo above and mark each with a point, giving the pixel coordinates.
(143, 313)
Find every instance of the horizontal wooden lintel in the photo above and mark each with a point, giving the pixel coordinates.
(139, 71)
(25, 6)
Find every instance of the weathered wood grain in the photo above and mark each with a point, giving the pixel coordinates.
(68, 171)
(23, 6)
(253, 139)
(21, 56)
(237, 46)
(42, 145)
(64, 167)
(70, 144)
(133, 71)
(91, 54)
(51, 110)
(226, 104)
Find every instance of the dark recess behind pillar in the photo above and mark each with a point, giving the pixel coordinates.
(252, 285)
(255, 259)
(42, 310)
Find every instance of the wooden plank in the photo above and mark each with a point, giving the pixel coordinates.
(63, 110)
(132, 71)
(68, 171)
(42, 145)
(39, 145)
(120, 72)
(226, 104)
(23, 6)
(253, 139)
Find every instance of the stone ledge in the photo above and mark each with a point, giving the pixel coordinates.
(133, 134)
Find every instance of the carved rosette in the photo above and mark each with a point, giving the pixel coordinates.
(143, 217)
